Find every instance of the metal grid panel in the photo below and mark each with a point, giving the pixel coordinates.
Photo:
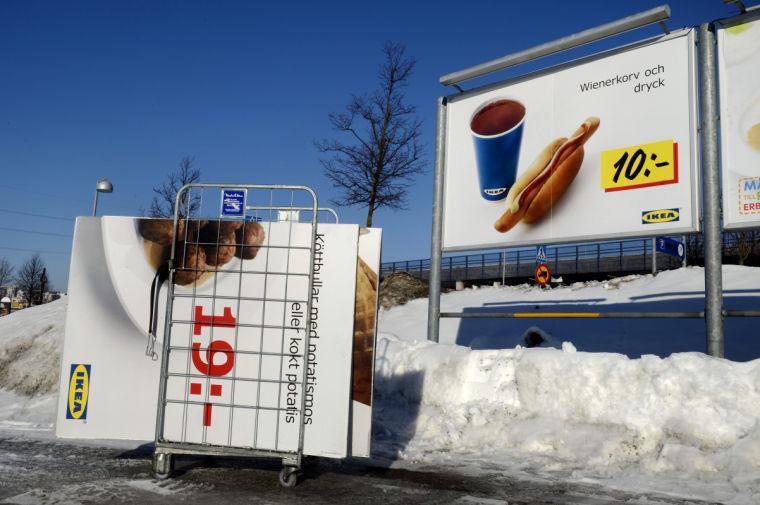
(228, 328)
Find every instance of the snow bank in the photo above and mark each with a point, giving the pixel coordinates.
(683, 423)
(31, 342)
(603, 415)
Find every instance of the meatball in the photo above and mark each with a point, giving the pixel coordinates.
(191, 262)
(249, 238)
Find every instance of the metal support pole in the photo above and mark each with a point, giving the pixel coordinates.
(95, 205)
(711, 191)
(504, 268)
(654, 255)
(436, 237)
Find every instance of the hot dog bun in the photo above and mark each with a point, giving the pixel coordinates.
(534, 194)
(538, 166)
(555, 187)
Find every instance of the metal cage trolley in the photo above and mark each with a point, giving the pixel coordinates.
(240, 254)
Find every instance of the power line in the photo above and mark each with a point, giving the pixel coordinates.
(18, 230)
(34, 250)
(38, 193)
(31, 214)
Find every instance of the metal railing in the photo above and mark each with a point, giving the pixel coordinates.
(618, 258)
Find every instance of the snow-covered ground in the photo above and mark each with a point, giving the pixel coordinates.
(674, 290)
(630, 415)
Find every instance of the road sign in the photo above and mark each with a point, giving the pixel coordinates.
(233, 202)
(670, 246)
(543, 274)
(541, 254)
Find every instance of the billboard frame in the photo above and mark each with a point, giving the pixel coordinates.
(751, 14)
(704, 171)
(692, 227)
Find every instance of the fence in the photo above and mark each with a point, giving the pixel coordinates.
(583, 260)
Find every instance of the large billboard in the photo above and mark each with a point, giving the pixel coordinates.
(739, 79)
(600, 148)
(237, 342)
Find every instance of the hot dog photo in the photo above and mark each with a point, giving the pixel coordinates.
(605, 147)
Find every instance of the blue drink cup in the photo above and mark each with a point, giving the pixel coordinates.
(496, 128)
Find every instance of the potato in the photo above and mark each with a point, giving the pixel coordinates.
(249, 238)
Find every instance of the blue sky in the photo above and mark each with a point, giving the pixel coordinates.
(125, 89)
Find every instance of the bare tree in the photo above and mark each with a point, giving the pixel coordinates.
(745, 243)
(165, 195)
(6, 271)
(694, 249)
(29, 278)
(383, 152)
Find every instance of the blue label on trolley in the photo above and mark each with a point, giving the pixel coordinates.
(233, 202)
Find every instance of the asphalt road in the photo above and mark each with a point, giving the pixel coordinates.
(36, 471)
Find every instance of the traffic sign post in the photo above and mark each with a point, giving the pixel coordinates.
(541, 254)
(543, 274)
(671, 247)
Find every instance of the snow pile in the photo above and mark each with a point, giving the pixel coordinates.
(681, 412)
(682, 423)
(31, 342)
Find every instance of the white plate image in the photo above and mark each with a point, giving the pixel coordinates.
(749, 126)
(741, 44)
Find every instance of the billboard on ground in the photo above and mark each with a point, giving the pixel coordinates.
(600, 148)
(739, 81)
(245, 390)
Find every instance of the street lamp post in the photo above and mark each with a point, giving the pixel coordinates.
(103, 186)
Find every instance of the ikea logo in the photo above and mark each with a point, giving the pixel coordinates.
(659, 216)
(79, 391)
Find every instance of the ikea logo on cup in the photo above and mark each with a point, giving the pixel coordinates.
(659, 216)
(79, 391)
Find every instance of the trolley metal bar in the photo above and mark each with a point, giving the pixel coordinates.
(241, 325)
(304, 248)
(245, 379)
(230, 405)
(246, 298)
(305, 209)
(239, 351)
(218, 450)
(208, 270)
(651, 16)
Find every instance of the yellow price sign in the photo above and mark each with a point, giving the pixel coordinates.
(640, 166)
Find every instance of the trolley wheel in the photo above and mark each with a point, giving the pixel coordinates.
(163, 465)
(288, 476)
